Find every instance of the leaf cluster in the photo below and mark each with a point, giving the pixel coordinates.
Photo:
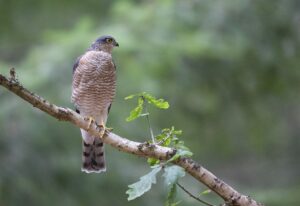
(169, 137)
(142, 98)
(171, 174)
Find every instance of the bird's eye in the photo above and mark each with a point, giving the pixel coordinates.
(108, 40)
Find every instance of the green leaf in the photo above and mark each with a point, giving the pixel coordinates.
(131, 96)
(159, 103)
(169, 135)
(175, 157)
(153, 161)
(143, 185)
(176, 203)
(136, 112)
(180, 145)
(205, 192)
(167, 142)
(164, 138)
(180, 153)
(171, 195)
(177, 132)
(160, 137)
(172, 174)
(185, 153)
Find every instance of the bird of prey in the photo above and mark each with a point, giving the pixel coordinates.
(93, 90)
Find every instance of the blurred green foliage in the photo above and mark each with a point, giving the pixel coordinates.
(229, 69)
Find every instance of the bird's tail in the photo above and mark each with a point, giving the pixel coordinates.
(93, 156)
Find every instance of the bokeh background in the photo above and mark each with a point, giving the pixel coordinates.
(229, 69)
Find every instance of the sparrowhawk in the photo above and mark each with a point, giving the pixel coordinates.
(93, 90)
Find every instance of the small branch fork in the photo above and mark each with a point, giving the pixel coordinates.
(230, 195)
(193, 196)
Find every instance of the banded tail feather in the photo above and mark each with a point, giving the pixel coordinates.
(93, 159)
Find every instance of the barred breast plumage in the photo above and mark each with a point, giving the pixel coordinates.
(94, 83)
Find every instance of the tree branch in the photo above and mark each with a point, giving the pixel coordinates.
(230, 195)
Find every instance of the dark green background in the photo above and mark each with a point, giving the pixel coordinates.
(229, 69)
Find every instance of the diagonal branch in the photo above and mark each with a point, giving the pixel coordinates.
(230, 195)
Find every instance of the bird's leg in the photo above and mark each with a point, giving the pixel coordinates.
(102, 132)
(104, 128)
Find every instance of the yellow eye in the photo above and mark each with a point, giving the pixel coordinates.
(108, 40)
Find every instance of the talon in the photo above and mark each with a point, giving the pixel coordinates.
(104, 129)
(109, 129)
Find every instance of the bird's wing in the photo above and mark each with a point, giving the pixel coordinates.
(76, 64)
(115, 67)
(78, 78)
(76, 75)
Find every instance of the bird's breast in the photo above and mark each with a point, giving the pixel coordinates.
(98, 84)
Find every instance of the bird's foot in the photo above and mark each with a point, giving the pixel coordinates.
(91, 120)
(109, 129)
(104, 129)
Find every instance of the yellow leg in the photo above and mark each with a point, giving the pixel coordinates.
(104, 128)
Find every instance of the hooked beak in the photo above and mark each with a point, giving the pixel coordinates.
(116, 44)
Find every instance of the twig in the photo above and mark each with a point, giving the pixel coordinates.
(12, 74)
(229, 194)
(148, 120)
(193, 196)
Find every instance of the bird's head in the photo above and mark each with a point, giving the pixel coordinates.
(104, 43)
